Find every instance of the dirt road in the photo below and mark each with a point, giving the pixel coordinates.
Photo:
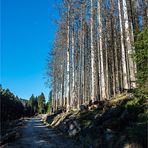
(36, 135)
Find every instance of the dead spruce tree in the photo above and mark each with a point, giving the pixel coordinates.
(92, 51)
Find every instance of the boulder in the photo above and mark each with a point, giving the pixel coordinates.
(125, 115)
(95, 104)
(72, 132)
(74, 128)
(77, 125)
(109, 139)
(49, 118)
(112, 113)
(113, 124)
(83, 108)
(59, 111)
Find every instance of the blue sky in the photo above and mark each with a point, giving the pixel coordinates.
(27, 34)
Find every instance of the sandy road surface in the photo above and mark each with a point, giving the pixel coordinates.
(35, 135)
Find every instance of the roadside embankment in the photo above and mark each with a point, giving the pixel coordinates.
(10, 130)
(115, 123)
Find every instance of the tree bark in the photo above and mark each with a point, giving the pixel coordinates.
(100, 51)
(129, 46)
(68, 58)
(124, 68)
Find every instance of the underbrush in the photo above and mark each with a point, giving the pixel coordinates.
(119, 121)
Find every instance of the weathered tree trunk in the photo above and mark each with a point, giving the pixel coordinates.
(80, 71)
(68, 58)
(64, 81)
(112, 44)
(100, 51)
(82, 56)
(124, 68)
(92, 52)
(129, 46)
(73, 57)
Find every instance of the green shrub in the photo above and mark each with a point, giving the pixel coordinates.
(141, 58)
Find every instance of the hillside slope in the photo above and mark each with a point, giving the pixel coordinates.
(116, 123)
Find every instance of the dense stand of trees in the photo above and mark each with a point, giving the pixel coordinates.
(41, 103)
(35, 105)
(92, 52)
(13, 107)
(141, 58)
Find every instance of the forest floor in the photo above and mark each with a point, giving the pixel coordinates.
(120, 122)
(33, 134)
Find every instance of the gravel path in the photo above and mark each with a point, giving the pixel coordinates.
(35, 135)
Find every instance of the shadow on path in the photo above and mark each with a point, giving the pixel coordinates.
(35, 135)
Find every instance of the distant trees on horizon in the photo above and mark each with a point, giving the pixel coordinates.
(13, 107)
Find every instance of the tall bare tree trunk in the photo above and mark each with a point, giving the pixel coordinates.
(124, 68)
(129, 46)
(73, 57)
(68, 58)
(92, 52)
(82, 55)
(63, 89)
(100, 51)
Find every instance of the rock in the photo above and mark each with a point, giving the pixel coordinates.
(59, 111)
(8, 137)
(113, 124)
(97, 116)
(111, 131)
(72, 132)
(63, 127)
(125, 115)
(49, 118)
(100, 103)
(129, 114)
(132, 145)
(95, 104)
(112, 112)
(83, 108)
(71, 127)
(77, 125)
(90, 103)
(120, 141)
(130, 96)
(109, 139)
(43, 116)
(20, 124)
(74, 128)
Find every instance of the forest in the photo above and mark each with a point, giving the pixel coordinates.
(97, 71)
(98, 51)
(13, 108)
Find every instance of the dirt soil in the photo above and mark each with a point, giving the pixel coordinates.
(36, 135)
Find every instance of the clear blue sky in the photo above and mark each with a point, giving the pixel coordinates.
(27, 34)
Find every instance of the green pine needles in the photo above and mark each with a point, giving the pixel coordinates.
(141, 58)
